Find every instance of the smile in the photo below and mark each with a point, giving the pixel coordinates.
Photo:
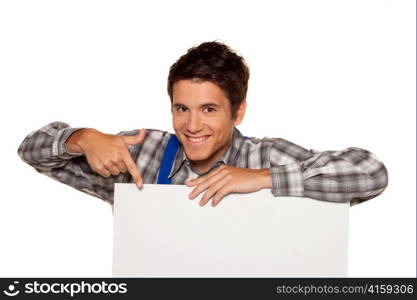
(196, 140)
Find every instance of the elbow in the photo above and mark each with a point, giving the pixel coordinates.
(22, 152)
(377, 172)
(380, 177)
(380, 183)
(385, 177)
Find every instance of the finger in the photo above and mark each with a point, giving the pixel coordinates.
(213, 191)
(135, 139)
(98, 167)
(206, 184)
(114, 170)
(221, 193)
(102, 171)
(196, 181)
(110, 167)
(132, 169)
(120, 165)
(190, 182)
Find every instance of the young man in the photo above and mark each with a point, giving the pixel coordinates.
(207, 87)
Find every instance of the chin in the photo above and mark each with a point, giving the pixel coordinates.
(195, 156)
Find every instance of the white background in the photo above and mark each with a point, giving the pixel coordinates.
(324, 74)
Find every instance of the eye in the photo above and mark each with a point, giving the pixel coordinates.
(181, 108)
(209, 109)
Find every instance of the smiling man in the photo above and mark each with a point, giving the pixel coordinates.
(207, 87)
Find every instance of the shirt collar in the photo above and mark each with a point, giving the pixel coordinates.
(229, 158)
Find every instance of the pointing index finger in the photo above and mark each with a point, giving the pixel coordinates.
(132, 169)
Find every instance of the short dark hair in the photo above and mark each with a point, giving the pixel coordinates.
(217, 63)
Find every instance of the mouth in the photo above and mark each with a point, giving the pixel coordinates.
(197, 140)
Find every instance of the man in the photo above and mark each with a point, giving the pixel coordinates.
(207, 87)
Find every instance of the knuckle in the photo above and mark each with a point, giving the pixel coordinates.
(200, 190)
(135, 176)
(222, 192)
(132, 166)
(107, 162)
(209, 195)
(229, 177)
(122, 152)
(128, 161)
(217, 196)
(227, 190)
(121, 166)
(224, 171)
(99, 168)
(115, 158)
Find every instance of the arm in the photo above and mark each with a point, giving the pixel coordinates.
(72, 156)
(352, 174)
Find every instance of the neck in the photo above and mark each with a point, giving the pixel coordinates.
(203, 166)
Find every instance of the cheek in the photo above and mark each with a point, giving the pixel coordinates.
(222, 128)
(177, 123)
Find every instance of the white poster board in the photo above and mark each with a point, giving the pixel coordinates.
(159, 232)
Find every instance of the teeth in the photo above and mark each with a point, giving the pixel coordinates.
(197, 140)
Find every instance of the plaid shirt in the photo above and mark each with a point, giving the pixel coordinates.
(352, 174)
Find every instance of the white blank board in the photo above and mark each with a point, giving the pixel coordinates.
(159, 232)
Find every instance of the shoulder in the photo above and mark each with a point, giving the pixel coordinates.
(154, 139)
(151, 134)
(277, 143)
(277, 146)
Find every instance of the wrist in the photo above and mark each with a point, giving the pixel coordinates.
(265, 178)
(74, 143)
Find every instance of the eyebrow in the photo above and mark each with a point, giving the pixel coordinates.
(203, 105)
(210, 104)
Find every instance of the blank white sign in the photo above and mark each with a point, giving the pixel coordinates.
(159, 232)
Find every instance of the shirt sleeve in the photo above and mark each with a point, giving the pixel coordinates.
(352, 174)
(45, 150)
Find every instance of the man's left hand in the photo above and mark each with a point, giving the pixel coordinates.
(225, 180)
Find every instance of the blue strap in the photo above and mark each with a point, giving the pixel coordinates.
(168, 160)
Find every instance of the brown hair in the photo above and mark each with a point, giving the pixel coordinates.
(217, 63)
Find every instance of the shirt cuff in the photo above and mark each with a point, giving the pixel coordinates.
(287, 180)
(59, 148)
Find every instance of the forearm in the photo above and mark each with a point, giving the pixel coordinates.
(45, 148)
(352, 174)
(48, 151)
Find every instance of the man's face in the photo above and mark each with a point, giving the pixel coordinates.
(202, 120)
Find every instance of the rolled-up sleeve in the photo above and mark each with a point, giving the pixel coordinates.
(352, 174)
(45, 150)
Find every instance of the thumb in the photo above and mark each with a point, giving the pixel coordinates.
(135, 139)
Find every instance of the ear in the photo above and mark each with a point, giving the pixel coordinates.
(240, 113)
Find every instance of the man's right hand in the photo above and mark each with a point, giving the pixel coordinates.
(107, 154)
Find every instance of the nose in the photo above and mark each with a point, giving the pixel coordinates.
(194, 123)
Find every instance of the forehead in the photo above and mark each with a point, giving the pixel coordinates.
(193, 92)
